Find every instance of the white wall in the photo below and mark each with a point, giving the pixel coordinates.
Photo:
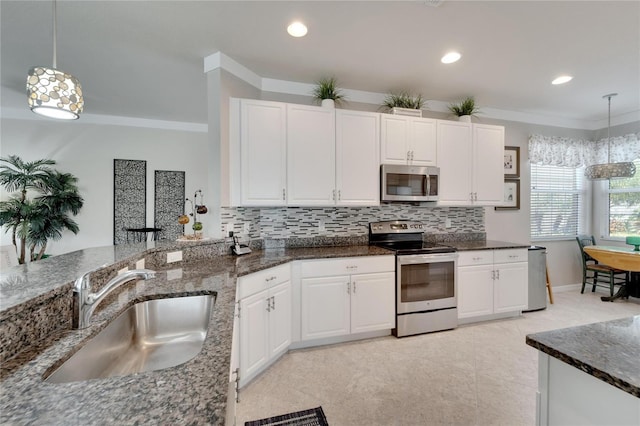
(88, 150)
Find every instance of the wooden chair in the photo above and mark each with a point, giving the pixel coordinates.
(600, 275)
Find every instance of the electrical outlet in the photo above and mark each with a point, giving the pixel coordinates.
(228, 228)
(140, 264)
(247, 228)
(174, 256)
(447, 223)
(174, 274)
(321, 226)
(123, 270)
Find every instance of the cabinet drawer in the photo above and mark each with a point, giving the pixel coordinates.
(511, 255)
(262, 280)
(347, 266)
(478, 257)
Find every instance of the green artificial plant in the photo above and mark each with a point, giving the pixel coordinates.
(327, 88)
(403, 100)
(34, 220)
(465, 107)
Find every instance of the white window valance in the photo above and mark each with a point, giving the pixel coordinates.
(568, 152)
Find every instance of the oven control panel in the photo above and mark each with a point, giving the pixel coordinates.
(396, 226)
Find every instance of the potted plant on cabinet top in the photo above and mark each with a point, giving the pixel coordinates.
(34, 221)
(465, 109)
(403, 103)
(327, 94)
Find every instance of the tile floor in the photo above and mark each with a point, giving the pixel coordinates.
(480, 374)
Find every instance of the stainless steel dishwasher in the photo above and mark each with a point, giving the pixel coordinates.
(537, 279)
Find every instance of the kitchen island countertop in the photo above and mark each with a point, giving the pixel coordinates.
(192, 393)
(609, 351)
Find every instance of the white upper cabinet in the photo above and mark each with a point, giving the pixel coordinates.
(454, 159)
(488, 166)
(310, 155)
(470, 157)
(257, 153)
(357, 158)
(408, 140)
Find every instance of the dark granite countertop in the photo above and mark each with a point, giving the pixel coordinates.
(609, 351)
(484, 245)
(191, 393)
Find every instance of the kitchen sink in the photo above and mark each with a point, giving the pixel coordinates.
(150, 335)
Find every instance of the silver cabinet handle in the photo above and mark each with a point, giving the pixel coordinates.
(268, 305)
(498, 274)
(348, 288)
(237, 373)
(339, 195)
(334, 195)
(408, 155)
(273, 303)
(270, 279)
(412, 155)
(354, 287)
(284, 194)
(493, 275)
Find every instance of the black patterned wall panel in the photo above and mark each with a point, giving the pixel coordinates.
(169, 203)
(129, 197)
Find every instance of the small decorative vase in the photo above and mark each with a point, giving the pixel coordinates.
(328, 103)
(465, 118)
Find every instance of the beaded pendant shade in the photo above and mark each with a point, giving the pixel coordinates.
(54, 93)
(610, 170)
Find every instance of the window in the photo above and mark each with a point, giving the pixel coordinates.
(558, 201)
(624, 205)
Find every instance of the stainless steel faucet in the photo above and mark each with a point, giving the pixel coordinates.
(84, 302)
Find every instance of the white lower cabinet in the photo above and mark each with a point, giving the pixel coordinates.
(492, 283)
(347, 296)
(264, 319)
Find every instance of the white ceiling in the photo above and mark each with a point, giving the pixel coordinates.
(145, 58)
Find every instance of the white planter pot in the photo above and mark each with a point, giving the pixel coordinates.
(328, 103)
(465, 118)
(407, 111)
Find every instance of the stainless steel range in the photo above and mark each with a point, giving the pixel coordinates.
(426, 283)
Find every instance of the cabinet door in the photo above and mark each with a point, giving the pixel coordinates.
(372, 302)
(454, 159)
(310, 156)
(254, 329)
(357, 158)
(325, 307)
(263, 156)
(475, 291)
(510, 287)
(394, 139)
(280, 318)
(423, 146)
(488, 167)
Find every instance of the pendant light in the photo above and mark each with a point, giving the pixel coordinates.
(610, 170)
(54, 93)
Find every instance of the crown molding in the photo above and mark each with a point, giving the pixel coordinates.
(220, 60)
(110, 120)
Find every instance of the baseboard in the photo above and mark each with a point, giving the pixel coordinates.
(567, 287)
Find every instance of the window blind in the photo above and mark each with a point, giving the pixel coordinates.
(557, 198)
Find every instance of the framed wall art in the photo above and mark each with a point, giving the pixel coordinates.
(511, 195)
(511, 161)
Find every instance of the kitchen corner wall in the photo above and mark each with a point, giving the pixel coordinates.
(286, 222)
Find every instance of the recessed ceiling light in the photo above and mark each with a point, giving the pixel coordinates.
(450, 57)
(562, 79)
(297, 29)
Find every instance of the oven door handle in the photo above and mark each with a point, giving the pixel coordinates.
(427, 258)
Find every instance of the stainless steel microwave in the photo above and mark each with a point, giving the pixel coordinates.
(408, 183)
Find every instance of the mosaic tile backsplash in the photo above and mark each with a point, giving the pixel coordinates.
(290, 222)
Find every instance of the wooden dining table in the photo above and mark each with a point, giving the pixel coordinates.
(624, 258)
